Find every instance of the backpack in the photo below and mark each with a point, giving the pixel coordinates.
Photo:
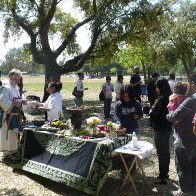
(101, 96)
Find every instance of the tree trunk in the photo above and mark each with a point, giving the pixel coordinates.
(52, 73)
(144, 71)
(186, 68)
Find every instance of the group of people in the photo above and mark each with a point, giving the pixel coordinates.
(11, 109)
(171, 104)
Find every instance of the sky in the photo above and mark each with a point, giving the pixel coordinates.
(67, 6)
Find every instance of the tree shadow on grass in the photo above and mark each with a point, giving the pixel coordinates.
(56, 187)
(113, 187)
(11, 191)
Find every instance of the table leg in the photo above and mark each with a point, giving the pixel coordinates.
(143, 173)
(128, 173)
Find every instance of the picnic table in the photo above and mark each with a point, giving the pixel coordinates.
(78, 163)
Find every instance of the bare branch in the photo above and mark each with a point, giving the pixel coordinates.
(95, 6)
(35, 4)
(21, 22)
(79, 61)
(70, 35)
(50, 15)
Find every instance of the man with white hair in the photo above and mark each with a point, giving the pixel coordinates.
(9, 99)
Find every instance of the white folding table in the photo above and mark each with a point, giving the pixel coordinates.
(143, 150)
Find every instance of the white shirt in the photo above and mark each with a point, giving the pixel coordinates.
(79, 85)
(117, 87)
(172, 84)
(54, 103)
(108, 88)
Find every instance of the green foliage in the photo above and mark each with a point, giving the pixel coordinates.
(19, 58)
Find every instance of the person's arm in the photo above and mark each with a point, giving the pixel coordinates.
(139, 112)
(161, 111)
(116, 117)
(194, 129)
(183, 110)
(5, 101)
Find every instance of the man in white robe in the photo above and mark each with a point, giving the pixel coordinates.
(9, 91)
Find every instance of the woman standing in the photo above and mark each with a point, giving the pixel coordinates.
(128, 111)
(10, 100)
(162, 128)
(108, 88)
(53, 105)
(118, 86)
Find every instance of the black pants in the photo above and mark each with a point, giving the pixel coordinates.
(163, 152)
(138, 97)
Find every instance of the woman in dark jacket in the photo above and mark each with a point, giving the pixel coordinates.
(162, 128)
(128, 110)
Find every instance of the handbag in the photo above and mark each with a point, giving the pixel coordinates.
(76, 93)
(101, 96)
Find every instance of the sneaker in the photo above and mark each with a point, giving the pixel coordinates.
(179, 193)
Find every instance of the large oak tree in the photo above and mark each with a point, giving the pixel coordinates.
(110, 23)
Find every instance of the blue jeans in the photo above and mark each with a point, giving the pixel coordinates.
(162, 145)
(107, 107)
(185, 160)
(78, 101)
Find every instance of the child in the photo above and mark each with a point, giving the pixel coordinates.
(194, 125)
(178, 96)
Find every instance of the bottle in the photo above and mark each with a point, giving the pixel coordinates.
(134, 140)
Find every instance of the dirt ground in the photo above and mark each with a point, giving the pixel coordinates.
(18, 183)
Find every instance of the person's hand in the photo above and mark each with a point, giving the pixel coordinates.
(150, 111)
(120, 127)
(17, 104)
(43, 109)
(136, 116)
(194, 130)
(24, 102)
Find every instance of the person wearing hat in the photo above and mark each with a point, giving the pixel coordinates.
(151, 88)
(136, 82)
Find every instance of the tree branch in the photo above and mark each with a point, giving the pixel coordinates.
(76, 63)
(37, 56)
(50, 15)
(21, 22)
(70, 35)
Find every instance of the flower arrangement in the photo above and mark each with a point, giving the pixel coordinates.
(112, 128)
(92, 122)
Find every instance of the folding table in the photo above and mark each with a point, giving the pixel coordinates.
(143, 150)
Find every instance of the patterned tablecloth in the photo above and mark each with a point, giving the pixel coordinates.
(78, 163)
